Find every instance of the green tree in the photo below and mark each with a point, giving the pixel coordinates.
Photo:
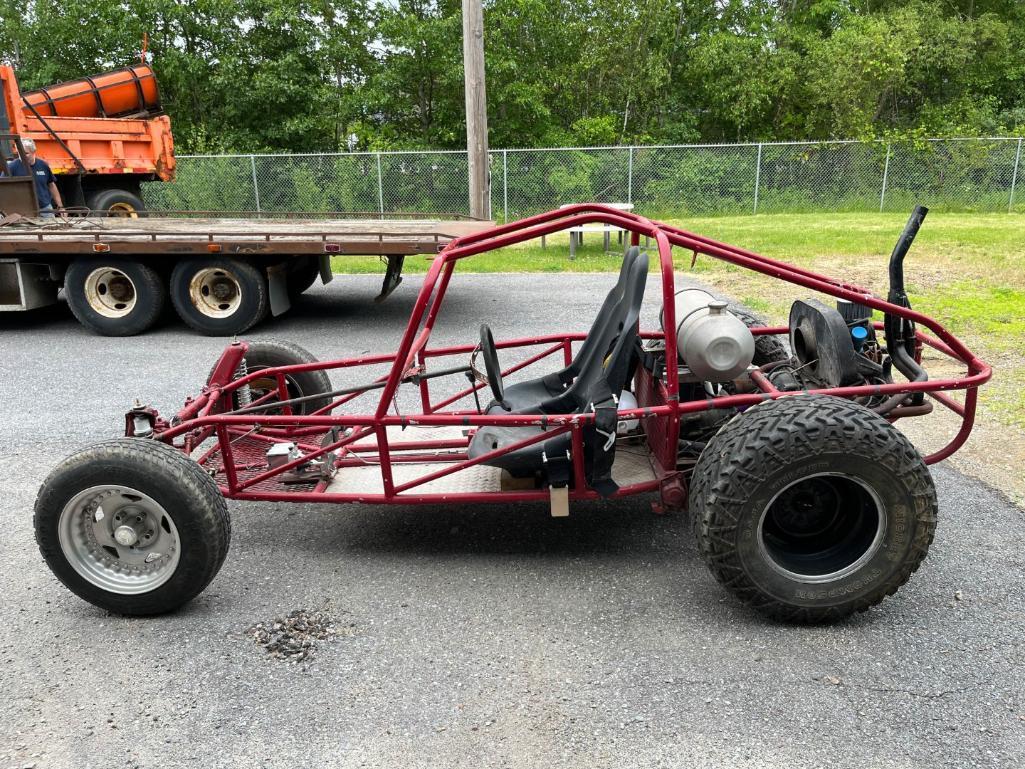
(315, 75)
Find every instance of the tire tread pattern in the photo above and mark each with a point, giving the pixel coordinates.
(208, 515)
(150, 294)
(735, 461)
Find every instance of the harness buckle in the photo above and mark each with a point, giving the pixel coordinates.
(558, 471)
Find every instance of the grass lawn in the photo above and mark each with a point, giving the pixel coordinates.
(966, 270)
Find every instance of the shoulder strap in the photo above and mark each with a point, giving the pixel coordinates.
(600, 438)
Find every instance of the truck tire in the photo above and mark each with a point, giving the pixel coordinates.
(269, 353)
(116, 203)
(303, 272)
(219, 296)
(810, 508)
(132, 525)
(114, 297)
(768, 348)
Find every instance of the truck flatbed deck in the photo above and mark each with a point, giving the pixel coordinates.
(154, 235)
(223, 274)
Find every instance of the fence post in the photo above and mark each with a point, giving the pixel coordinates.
(505, 186)
(758, 175)
(488, 214)
(380, 186)
(256, 185)
(886, 173)
(1014, 176)
(630, 176)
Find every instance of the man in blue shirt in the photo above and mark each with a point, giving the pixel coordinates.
(46, 185)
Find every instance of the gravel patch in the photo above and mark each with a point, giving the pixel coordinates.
(294, 637)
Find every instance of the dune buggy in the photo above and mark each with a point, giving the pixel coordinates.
(807, 502)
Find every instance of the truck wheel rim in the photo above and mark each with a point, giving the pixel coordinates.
(123, 210)
(215, 292)
(119, 539)
(822, 528)
(110, 292)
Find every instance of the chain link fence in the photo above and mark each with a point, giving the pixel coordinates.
(662, 181)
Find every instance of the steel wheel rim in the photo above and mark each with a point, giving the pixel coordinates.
(263, 385)
(110, 292)
(215, 292)
(93, 536)
(793, 540)
(123, 210)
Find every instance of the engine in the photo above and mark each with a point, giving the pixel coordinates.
(829, 347)
(832, 347)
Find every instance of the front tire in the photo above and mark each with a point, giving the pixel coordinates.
(132, 526)
(811, 508)
(114, 297)
(219, 297)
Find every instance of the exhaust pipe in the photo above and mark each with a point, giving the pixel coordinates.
(900, 332)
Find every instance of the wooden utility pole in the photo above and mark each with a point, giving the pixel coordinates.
(476, 109)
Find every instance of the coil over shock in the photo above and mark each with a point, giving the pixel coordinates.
(243, 395)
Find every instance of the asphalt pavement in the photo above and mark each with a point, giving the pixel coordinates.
(473, 637)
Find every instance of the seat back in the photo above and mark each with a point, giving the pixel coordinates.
(608, 354)
(602, 319)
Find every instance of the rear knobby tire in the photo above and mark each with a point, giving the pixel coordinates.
(172, 508)
(114, 297)
(219, 296)
(810, 508)
(270, 353)
(769, 348)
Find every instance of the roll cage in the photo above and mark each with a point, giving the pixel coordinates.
(414, 458)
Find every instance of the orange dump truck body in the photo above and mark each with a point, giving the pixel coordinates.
(98, 127)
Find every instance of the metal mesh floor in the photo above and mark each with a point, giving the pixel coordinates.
(250, 461)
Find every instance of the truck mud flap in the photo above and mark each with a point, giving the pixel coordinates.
(392, 277)
(277, 283)
(326, 275)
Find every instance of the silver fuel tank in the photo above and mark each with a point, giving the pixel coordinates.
(712, 342)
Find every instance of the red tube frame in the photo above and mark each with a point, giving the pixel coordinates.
(199, 420)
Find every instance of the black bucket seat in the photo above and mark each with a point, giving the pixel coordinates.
(604, 366)
(531, 392)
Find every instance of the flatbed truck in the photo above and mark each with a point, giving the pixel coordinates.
(222, 275)
(118, 264)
